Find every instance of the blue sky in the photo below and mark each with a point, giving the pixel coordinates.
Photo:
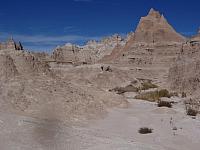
(44, 24)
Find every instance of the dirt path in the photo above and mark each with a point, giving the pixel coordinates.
(120, 128)
(118, 131)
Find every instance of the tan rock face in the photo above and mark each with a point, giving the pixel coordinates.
(89, 53)
(153, 42)
(196, 37)
(8, 68)
(155, 28)
(28, 83)
(184, 75)
(23, 63)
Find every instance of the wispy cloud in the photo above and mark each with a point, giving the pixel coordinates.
(47, 41)
(188, 33)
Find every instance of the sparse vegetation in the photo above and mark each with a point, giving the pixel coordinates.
(164, 104)
(164, 93)
(192, 107)
(145, 130)
(174, 94)
(122, 90)
(148, 85)
(183, 95)
(191, 112)
(174, 128)
(153, 95)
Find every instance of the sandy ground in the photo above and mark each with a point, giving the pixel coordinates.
(117, 131)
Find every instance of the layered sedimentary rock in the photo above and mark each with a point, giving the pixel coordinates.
(23, 63)
(184, 75)
(89, 53)
(154, 28)
(8, 68)
(28, 85)
(154, 43)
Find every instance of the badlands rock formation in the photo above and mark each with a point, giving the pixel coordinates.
(154, 42)
(30, 86)
(8, 68)
(11, 44)
(154, 28)
(184, 76)
(46, 99)
(87, 54)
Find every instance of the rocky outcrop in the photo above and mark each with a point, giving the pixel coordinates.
(28, 85)
(184, 75)
(153, 43)
(65, 53)
(92, 52)
(11, 45)
(22, 63)
(8, 68)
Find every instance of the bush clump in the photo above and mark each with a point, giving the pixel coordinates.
(191, 112)
(164, 104)
(145, 130)
(148, 85)
(174, 94)
(192, 107)
(183, 95)
(122, 90)
(153, 95)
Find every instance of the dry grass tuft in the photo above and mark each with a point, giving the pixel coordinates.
(153, 95)
(122, 90)
(145, 130)
(148, 85)
(164, 104)
(191, 112)
(192, 107)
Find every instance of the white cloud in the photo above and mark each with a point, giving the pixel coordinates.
(44, 40)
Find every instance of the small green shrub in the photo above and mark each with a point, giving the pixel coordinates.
(164, 104)
(145, 130)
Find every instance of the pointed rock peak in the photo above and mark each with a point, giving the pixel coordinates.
(162, 16)
(154, 28)
(151, 11)
(199, 31)
(154, 13)
(11, 39)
